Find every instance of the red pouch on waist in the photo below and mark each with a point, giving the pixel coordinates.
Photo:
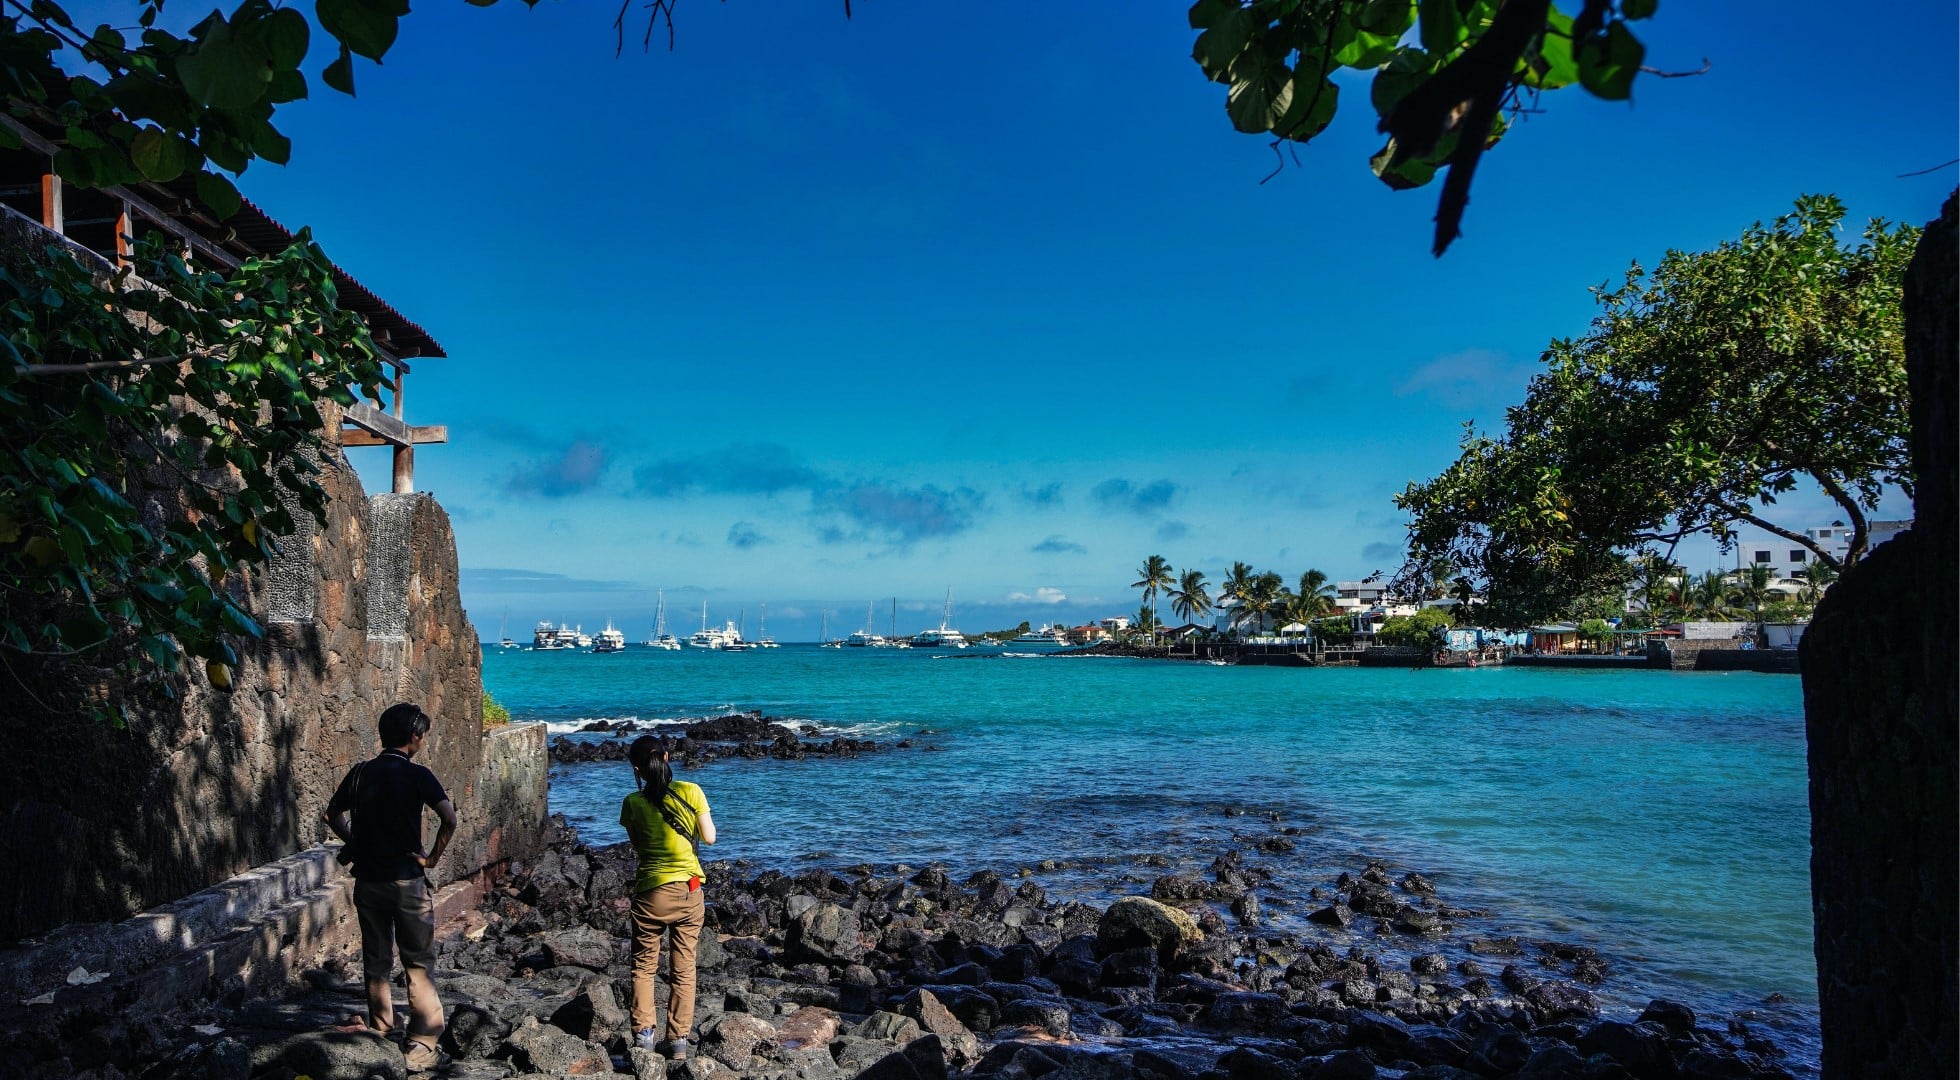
(693, 883)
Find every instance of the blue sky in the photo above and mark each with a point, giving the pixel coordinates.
(813, 312)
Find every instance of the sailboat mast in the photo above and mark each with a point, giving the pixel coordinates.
(894, 618)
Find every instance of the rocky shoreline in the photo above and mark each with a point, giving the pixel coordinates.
(901, 973)
(748, 735)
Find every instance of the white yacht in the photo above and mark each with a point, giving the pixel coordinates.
(727, 638)
(661, 639)
(609, 640)
(945, 637)
(549, 638)
(865, 638)
(581, 639)
(1046, 639)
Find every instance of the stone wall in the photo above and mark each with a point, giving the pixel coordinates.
(363, 611)
(1879, 706)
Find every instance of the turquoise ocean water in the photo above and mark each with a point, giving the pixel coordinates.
(1660, 818)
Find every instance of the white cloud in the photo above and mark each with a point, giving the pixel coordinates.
(1043, 595)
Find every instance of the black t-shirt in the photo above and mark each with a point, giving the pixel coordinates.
(386, 797)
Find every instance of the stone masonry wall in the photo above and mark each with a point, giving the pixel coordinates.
(362, 611)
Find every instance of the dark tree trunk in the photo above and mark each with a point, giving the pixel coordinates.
(1879, 704)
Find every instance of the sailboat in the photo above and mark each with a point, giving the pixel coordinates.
(945, 637)
(894, 641)
(823, 634)
(661, 638)
(765, 641)
(503, 633)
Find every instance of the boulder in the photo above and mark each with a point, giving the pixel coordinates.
(580, 946)
(811, 1025)
(1048, 1014)
(594, 1014)
(1429, 964)
(961, 1048)
(1678, 1019)
(733, 1038)
(646, 1064)
(854, 1055)
(1246, 1011)
(542, 1048)
(1246, 1063)
(344, 1055)
(1139, 920)
(1333, 915)
(1554, 1002)
(1346, 1065)
(1642, 1048)
(472, 1032)
(825, 934)
(1180, 887)
(888, 1027)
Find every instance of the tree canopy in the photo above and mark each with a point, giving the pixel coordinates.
(1703, 392)
(1446, 73)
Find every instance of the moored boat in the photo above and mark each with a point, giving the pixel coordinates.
(609, 640)
(1046, 639)
(661, 639)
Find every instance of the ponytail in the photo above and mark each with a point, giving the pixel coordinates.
(650, 770)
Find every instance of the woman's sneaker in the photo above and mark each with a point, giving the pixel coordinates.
(645, 1039)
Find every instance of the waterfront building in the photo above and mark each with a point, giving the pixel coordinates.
(1786, 558)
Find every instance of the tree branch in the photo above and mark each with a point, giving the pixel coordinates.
(1659, 74)
(112, 365)
(1860, 529)
(1787, 534)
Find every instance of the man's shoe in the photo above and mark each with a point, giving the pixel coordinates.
(421, 1056)
(676, 1050)
(645, 1039)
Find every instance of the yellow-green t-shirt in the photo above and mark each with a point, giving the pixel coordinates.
(665, 855)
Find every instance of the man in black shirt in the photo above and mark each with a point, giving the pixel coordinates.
(377, 812)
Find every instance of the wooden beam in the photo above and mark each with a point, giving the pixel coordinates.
(431, 433)
(391, 430)
(51, 216)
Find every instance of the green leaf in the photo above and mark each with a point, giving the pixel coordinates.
(270, 145)
(285, 86)
(362, 28)
(1206, 13)
(1365, 50)
(1390, 17)
(159, 155)
(225, 70)
(1311, 109)
(1261, 92)
(1639, 9)
(9, 138)
(1554, 66)
(1412, 173)
(285, 36)
(217, 193)
(1405, 71)
(1608, 63)
(1218, 48)
(1442, 25)
(340, 74)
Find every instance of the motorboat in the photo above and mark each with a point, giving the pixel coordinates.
(1046, 639)
(866, 638)
(609, 640)
(549, 638)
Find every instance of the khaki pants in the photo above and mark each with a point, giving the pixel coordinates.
(399, 915)
(671, 907)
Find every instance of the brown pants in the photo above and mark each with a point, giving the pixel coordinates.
(671, 907)
(399, 915)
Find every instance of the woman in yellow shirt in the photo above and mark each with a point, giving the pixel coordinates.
(666, 820)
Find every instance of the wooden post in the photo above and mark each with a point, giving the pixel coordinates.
(125, 236)
(51, 202)
(404, 469)
(400, 377)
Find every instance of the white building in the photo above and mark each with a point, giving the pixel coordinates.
(1785, 558)
(1116, 624)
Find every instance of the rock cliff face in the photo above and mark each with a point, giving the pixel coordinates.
(1879, 703)
(361, 612)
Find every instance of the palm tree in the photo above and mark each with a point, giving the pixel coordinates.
(1265, 598)
(1317, 593)
(1154, 576)
(1235, 588)
(1189, 600)
(1708, 597)
(1440, 571)
(1753, 588)
(1817, 578)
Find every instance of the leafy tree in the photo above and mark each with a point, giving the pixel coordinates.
(1236, 588)
(1189, 600)
(1154, 576)
(1595, 629)
(1428, 628)
(1441, 92)
(1818, 577)
(1703, 393)
(1754, 587)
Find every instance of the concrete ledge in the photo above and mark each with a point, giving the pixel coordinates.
(199, 921)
